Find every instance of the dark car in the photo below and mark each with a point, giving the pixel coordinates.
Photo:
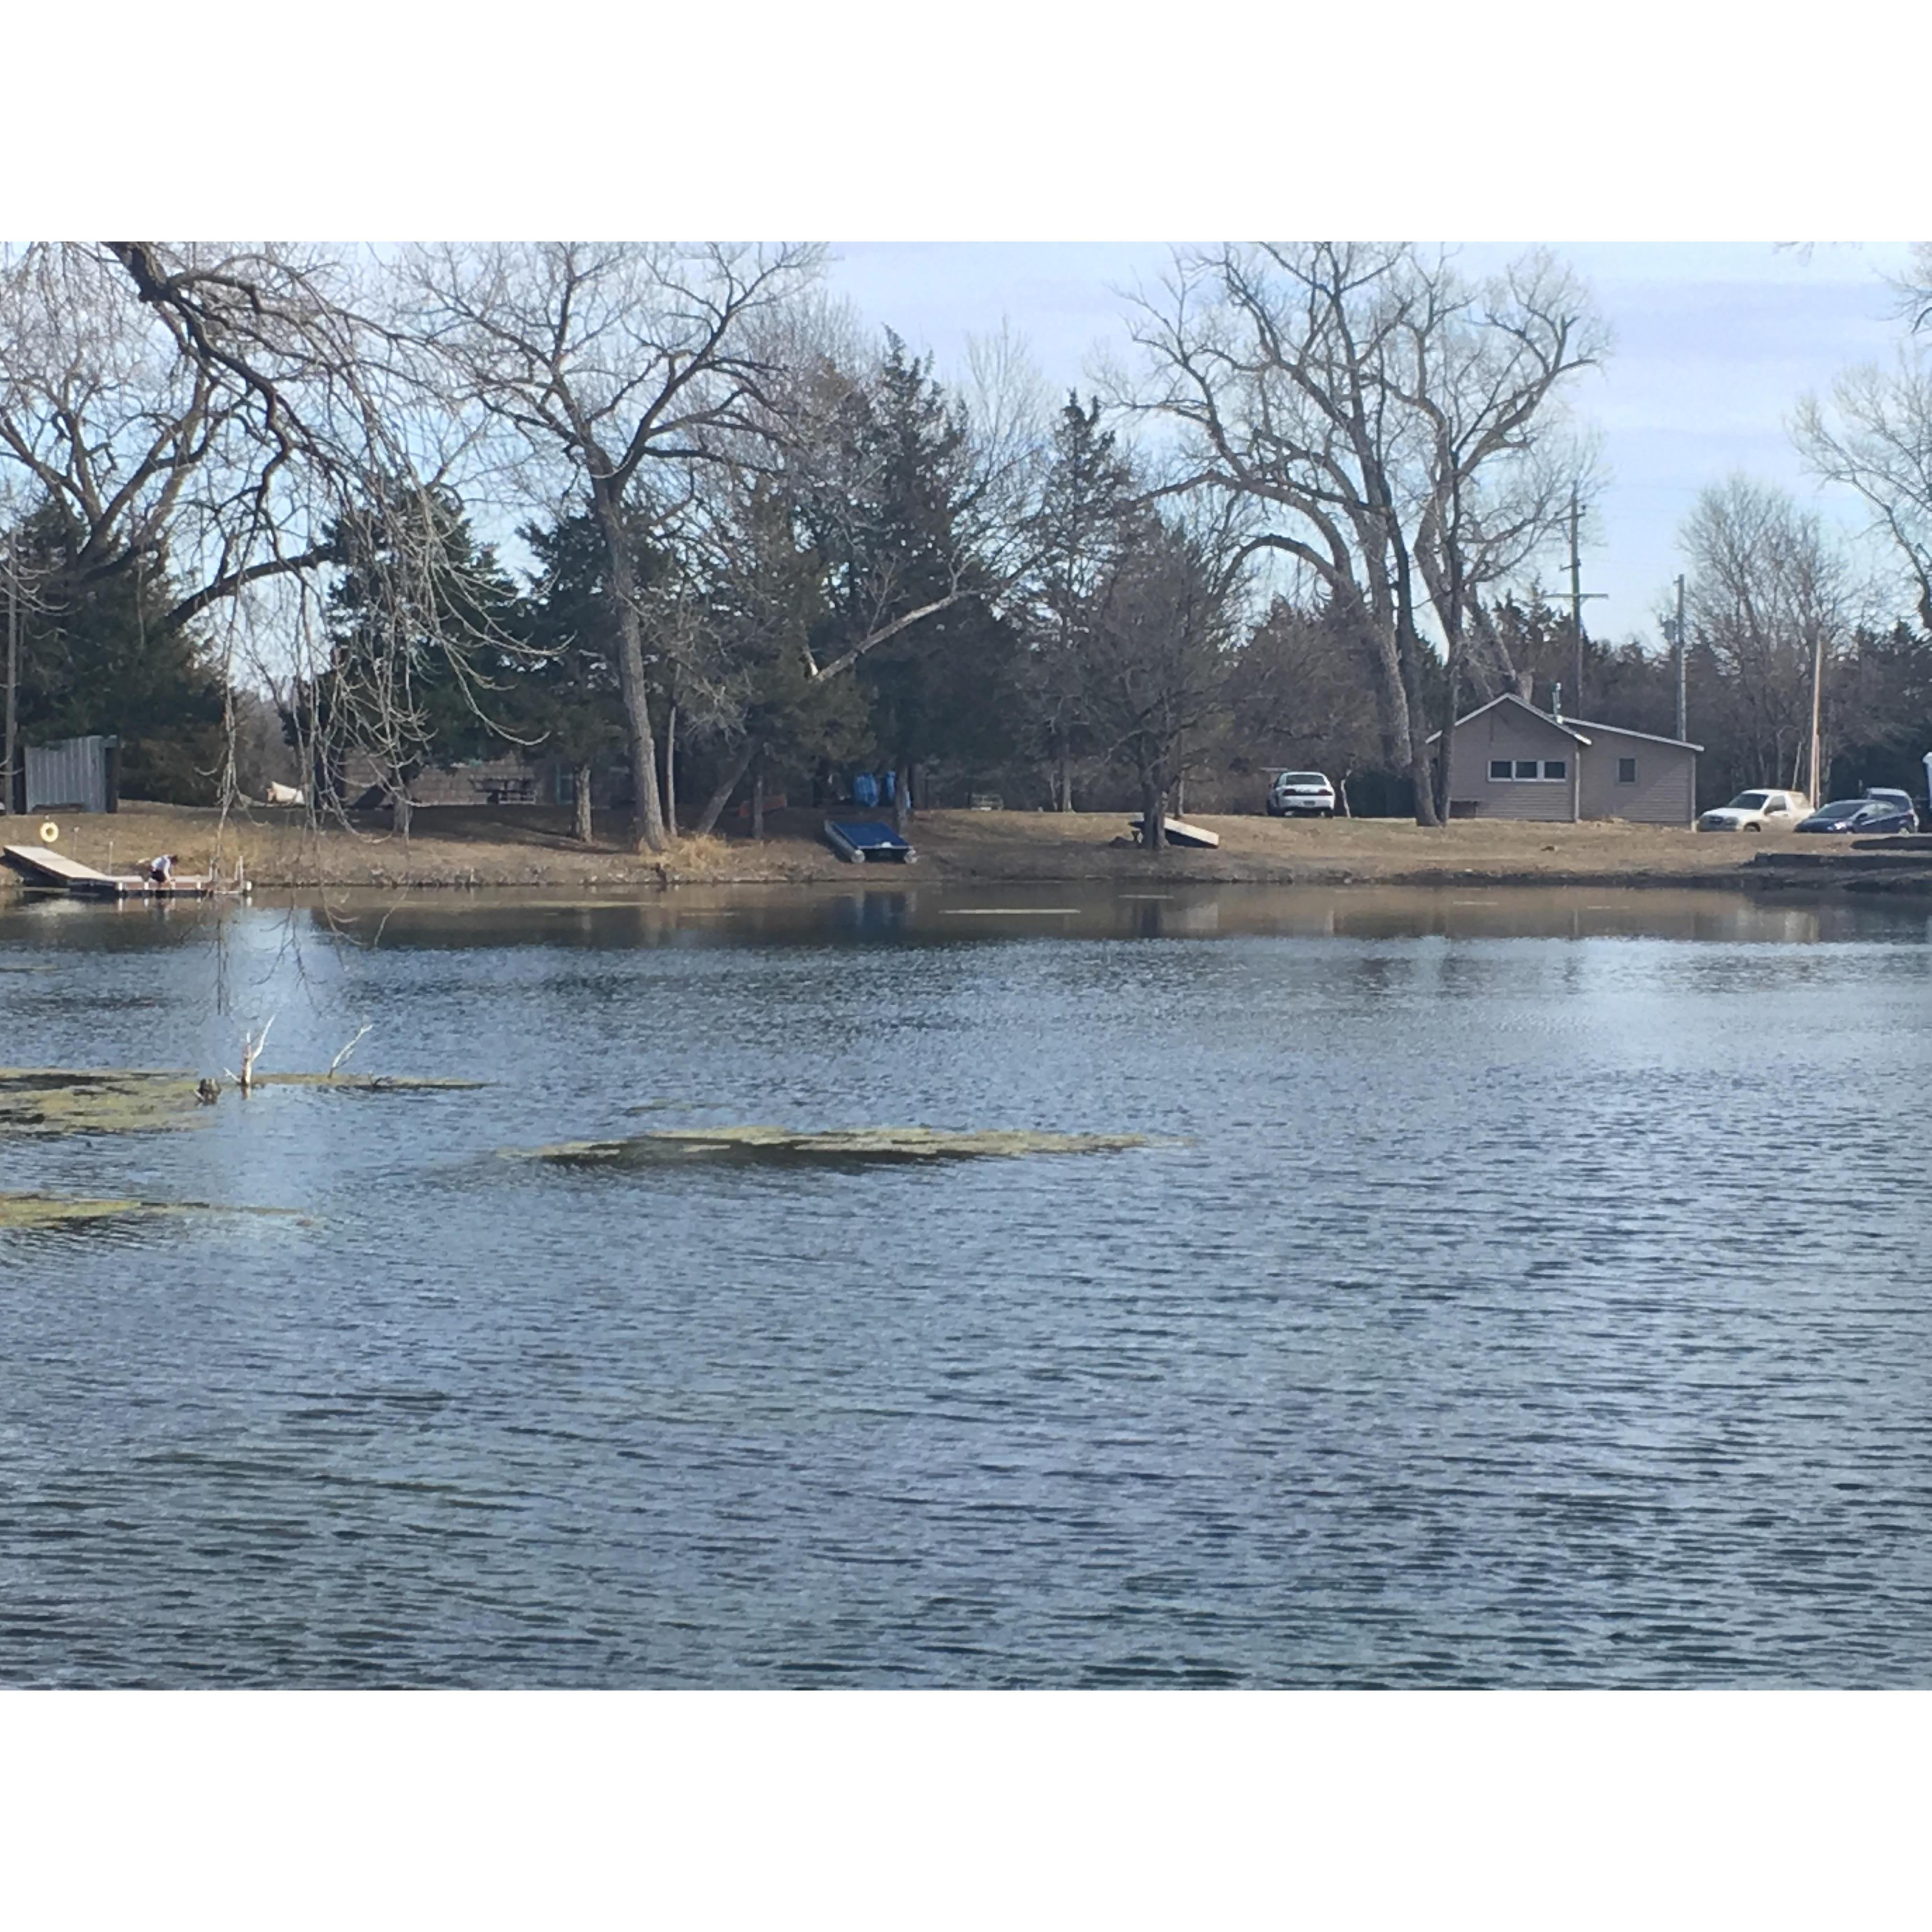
(1862, 816)
(1903, 799)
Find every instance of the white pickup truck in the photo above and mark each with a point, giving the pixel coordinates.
(1758, 811)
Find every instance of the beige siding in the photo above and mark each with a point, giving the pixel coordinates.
(1507, 731)
(1666, 779)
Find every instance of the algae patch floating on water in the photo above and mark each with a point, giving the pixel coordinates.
(371, 1083)
(54, 1210)
(19, 1211)
(832, 1147)
(125, 1099)
(110, 1100)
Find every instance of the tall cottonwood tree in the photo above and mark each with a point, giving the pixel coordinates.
(612, 366)
(147, 433)
(1363, 397)
(1875, 437)
(1770, 606)
(284, 410)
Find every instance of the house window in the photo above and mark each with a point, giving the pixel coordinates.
(1525, 768)
(1626, 771)
(1499, 768)
(1555, 768)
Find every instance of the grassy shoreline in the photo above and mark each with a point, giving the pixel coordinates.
(453, 847)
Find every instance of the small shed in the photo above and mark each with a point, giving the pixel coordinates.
(74, 775)
(1508, 759)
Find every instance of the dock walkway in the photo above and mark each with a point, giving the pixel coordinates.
(56, 871)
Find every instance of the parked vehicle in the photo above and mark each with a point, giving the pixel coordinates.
(1757, 811)
(1861, 815)
(1903, 799)
(1301, 794)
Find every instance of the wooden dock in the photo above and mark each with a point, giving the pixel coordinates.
(1177, 832)
(55, 871)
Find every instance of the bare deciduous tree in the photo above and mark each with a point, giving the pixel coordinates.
(605, 361)
(1876, 439)
(1368, 398)
(1770, 600)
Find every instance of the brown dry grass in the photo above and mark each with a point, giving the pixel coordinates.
(1329, 851)
(447, 846)
(532, 847)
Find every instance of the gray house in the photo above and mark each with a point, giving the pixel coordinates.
(1508, 759)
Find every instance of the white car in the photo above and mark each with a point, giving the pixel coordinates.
(1758, 811)
(1295, 794)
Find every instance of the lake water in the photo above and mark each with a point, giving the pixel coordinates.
(1520, 1289)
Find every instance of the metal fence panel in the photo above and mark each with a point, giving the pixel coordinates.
(69, 776)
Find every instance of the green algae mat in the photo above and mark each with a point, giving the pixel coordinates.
(124, 1099)
(833, 1146)
(21, 1212)
(72, 1100)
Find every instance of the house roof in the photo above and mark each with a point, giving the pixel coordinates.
(1648, 737)
(1511, 698)
(1570, 726)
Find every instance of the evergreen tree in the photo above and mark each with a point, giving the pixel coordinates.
(422, 626)
(568, 693)
(765, 603)
(97, 657)
(1074, 539)
(894, 534)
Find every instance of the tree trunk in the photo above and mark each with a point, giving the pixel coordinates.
(1154, 814)
(1444, 745)
(1391, 696)
(401, 806)
(758, 799)
(1063, 793)
(721, 795)
(647, 827)
(581, 813)
(1419, 774)
(901, 799)
(670, 772)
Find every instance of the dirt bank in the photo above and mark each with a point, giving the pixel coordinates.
(532, 847)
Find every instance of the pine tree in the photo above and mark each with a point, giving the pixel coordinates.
(96, 657)
(896, 536)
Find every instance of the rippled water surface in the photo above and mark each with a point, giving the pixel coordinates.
(1519, 1289)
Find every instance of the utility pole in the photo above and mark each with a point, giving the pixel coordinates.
(1576, 604)
(1817, 696)
(12, 681)
(1683, 711)
(1578, 597)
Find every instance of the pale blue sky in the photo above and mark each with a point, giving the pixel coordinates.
(1713, 344)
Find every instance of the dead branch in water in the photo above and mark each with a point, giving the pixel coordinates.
(347, 1050)
(252, 1045)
